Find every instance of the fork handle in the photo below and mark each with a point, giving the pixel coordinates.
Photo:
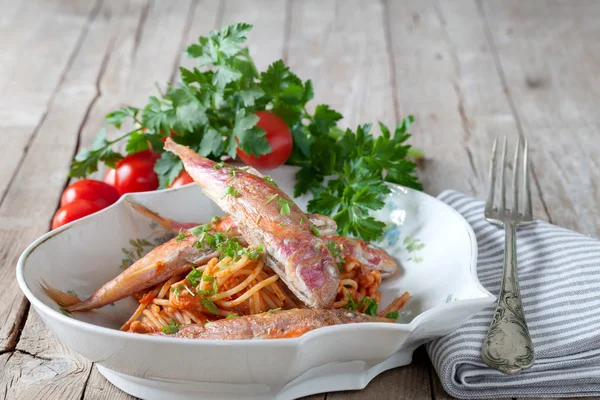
(507, 346)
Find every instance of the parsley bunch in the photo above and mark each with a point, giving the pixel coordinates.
(213, 112)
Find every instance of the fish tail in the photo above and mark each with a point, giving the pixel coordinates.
(154, 216)
(61, 298)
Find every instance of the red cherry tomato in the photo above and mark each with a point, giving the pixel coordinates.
(89, 189)
(110, 177)
(135, 173)
(73, 211)
(183, 179)
(279, 137)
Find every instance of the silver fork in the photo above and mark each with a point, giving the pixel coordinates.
(507, 346)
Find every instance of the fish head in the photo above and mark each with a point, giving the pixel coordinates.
(313, 274)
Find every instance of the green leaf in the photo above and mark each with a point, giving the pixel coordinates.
(277, 79)
(210, 306)
(224, 75)
(118, 116)
(285, 206)
(212, 143)
(309, 92)
(167, 167)
(302, 139)
(231, 191)
(194, 277)
(306, 179)
(371, 306)
(324, 119)
(86, 161)
(251, 138)
(324, 203)
(392, 315)
(172, 328)
(137, 142)
(250, 94)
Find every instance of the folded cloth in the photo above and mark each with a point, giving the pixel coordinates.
(559, 277)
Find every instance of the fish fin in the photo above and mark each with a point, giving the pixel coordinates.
(154, 216)
(61, 298)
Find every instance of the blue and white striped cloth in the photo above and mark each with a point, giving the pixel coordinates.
(559, 276)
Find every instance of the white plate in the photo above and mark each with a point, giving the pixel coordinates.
(434, 244)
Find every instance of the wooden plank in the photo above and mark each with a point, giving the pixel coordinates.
(44, 171)
(350, 68)
(266, 41)
(42, 367)
(205, 15)
(409, 382)
(28, 206)
(547, 55)
(37, 40)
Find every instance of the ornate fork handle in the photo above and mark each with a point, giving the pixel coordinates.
(507, 346)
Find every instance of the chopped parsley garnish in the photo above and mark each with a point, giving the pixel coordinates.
(194, 277)
(230, 316)
(213, 111)
(172, 328)
(274, 309)
(315, 230)
(254, 254)
(271, 198)
(200, 229)
(210, 306)
(215, 219)
(351, 304)
(371, 305)
(334, 249)
(207, 292)
(285, 207)
(180, 236)
(231, 191)
(392, 315)
(268, 179)
(177, 290)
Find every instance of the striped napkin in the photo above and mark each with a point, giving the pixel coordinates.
(559, 275)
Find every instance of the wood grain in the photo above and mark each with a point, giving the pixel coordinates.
(37, 44)
(42, 367)
(548, 54)
(27, 206)
(468, 71)
(350, 68)
(266, 41)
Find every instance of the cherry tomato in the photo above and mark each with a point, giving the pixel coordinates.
(89, 189)
(73, 211)
(135, 173)
(183, 179)
(279, 137)
(110, 177)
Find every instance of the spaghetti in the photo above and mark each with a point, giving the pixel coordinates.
(229, 288)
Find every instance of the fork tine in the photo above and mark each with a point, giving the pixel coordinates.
(515, 204)
(502, 205)
(526, 189)
(489, 203)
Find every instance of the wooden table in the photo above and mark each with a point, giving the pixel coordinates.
(468, 70)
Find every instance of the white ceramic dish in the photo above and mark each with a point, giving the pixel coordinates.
(434, 244)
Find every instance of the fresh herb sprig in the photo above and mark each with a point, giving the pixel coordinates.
(213, 111)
